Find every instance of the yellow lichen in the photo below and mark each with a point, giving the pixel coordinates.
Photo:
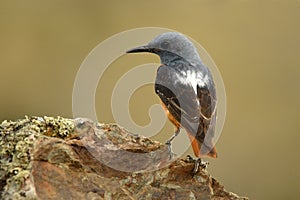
(16, 145)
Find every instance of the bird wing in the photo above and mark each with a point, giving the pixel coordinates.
(208, 111)
(177, 94)
(190, 102)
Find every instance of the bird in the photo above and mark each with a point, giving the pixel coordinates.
(186, 90)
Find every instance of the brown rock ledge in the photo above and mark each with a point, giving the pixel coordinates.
(58, 158)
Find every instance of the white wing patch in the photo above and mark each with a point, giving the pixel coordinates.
(193, 79)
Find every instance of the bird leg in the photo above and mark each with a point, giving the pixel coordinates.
(168, 142)
(198, 163)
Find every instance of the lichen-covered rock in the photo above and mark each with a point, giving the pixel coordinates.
(57, 158)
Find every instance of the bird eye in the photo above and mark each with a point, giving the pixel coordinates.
(165, 45)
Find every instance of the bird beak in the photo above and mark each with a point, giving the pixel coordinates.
(139, 49)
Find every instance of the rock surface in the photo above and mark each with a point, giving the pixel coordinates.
(58, 158)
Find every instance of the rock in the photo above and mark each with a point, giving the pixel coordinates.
(58, 158)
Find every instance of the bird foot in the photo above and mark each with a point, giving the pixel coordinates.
(168, 143)
(198, 163)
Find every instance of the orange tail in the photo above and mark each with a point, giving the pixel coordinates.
(197, 146)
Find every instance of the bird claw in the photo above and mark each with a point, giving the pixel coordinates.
(190, 159)
(198, 163)
(168, 143)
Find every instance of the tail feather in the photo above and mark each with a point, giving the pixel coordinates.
(196, 145)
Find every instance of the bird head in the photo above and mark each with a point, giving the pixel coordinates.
(170, 45)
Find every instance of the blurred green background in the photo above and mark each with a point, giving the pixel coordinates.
(255, 44)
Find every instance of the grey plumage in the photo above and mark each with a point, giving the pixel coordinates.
(186, 87)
